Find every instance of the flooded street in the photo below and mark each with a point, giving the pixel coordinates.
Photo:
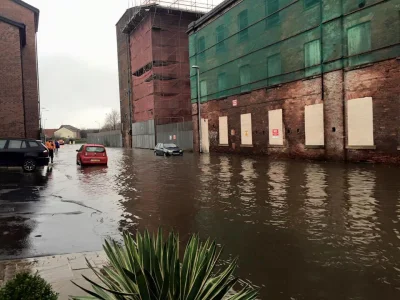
(302, 230)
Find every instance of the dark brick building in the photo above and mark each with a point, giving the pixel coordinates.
(153, 62)
(19, 100)
(303, 79)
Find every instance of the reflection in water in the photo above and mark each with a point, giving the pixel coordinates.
(278, 185)
(363, 223)
(315, 201)
(224, 178)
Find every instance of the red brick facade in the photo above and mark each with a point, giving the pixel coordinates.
(153, 63)
(379, 81)
(19, 100)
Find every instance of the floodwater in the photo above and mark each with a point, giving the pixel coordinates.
(302, 230)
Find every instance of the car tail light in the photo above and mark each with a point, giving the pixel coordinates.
(85, 153)
(104, 154)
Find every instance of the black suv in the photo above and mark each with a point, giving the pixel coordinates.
(26, 153)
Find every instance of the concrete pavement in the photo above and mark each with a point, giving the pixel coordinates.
(58, 270)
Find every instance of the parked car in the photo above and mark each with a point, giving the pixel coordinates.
(26, 153)
(91, 154)
(167, 150)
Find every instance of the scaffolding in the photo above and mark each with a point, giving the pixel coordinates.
(184, 5)
(159, 59)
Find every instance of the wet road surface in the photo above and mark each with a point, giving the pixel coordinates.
(302, 230)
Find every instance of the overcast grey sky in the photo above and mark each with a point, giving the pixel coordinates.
(78, 68)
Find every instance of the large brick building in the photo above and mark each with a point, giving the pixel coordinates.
(19, 100)
(153, 62)
(307, 79)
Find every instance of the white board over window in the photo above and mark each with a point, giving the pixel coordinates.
(360, 122)
(314, 124)
(223, 131)
(246, 129)
(275, 127)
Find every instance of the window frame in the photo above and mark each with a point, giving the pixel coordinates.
(268, 14)
(201, 52)
(221, 93)
(220, 41)
(355, 56)
(308, 70)
(243, 32)
(245, 86)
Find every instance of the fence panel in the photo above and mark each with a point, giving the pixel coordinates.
(106, 138)
(177, 133)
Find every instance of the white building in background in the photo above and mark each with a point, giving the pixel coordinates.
(68, 132)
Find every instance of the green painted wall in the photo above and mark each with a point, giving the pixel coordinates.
(259, 43)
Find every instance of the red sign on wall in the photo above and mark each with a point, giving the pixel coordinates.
(275, 133)
(234, 102)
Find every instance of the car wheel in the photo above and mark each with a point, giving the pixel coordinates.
(29, 165)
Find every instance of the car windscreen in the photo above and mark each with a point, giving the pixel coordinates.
(95, 149)
(169, 146)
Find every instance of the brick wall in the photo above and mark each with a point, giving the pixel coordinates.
(379, 81)
(21, 14)
(11, 106)
(124, 73)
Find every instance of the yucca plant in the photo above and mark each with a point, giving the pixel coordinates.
(147, 268)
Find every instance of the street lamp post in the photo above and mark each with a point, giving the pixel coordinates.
(198, 105)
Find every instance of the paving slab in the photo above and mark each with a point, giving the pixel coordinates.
(58, 270)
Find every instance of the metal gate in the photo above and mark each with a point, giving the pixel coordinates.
(143, 135)
(180, 134)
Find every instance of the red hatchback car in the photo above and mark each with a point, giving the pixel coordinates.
(91, 154)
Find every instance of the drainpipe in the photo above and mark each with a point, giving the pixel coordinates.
(198, 105)
(343, 83)
(38, 89)
(321, 49)
(23, 84)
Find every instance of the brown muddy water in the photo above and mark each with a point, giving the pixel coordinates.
(302, 230)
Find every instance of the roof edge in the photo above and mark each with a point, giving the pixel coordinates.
(212, 13)
(35, 10)
(21, 27)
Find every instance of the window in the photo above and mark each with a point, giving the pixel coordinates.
(360, 122)
(310, 3)
(246, 129)
(359, 41)
(33, 144)
(221, 85)
(95, 149)
(272, 7)
(3, 144)
(243, 22)
(201, 46)
(245, 78)
(203, 91)
(220, 33)
(15, 144)
(274, 65)
(223, 131)
(275, 125)
(312, 58)
(314, 124)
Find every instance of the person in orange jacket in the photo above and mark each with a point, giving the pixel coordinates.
(50, 145)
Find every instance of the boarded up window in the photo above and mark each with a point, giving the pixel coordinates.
(223, 130)
(220, 33)
(201, 46)
(312, 58)
(243, 22)
(221, 85)
(272, 7)
(245, 78)
(275, 127)
(246, 129)
(360, 122)
(314, 124)
(359, 41)
(203, 91)
(274, 68)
